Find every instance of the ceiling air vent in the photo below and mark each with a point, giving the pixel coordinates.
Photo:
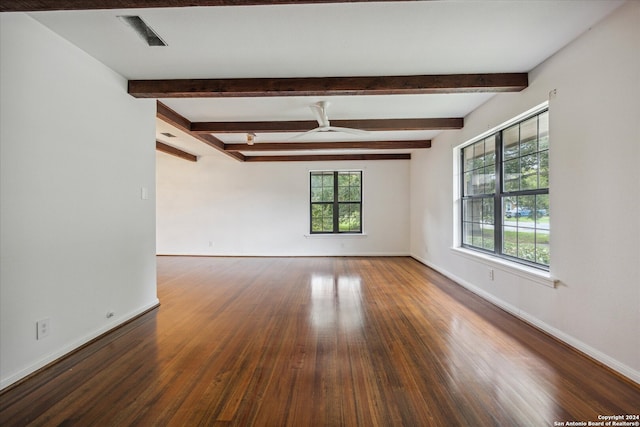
(145, 32)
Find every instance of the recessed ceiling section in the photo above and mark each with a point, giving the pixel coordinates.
(289, 137)
(338, 39)
(341, 107)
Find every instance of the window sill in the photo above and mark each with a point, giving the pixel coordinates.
(538, 276)
(336, 236)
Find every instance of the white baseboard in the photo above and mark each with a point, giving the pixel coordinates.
(287, 255)
(6, 382)
(596, 354)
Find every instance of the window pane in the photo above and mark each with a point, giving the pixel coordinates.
(510, 142)
(316, 194)
(526, 228)
(467, 233)
(327, 180)
(529, 136)
(508, 208)
(474, 182)
(543, 130)
(509, 202)
(478, 155)
(544, 169)
(322, 217)
(467, 154)
(525, 208)
(477, 235)
(542, 247)
(468, 188)
(466, 210)
(510, 241)
(348, 186)
(542, 211)
(349, 217)
(487, 211)
(489, 180)
(343, 194)
(526, 244)
(478, 181)
(511, 175)
(327, 194)
(529, 172)
(316, 218)
(490, 150)
(487, 237)
(321, 187)
(478, 229)
(476, 206)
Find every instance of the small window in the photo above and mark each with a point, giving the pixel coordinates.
(505, 192)
(336, 202)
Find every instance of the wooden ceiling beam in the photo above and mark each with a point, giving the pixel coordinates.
(168, 149)
(173, 118)
(303, 126)
(327, 157)
(334, 145)
(169, 116)
(42, 5)
(329, 86)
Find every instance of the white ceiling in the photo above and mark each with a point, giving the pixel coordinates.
(323, 40)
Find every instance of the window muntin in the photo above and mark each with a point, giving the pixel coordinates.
(336, 202)
(508, 216)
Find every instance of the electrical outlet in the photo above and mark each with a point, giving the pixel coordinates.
(43, 327)
(490, 274)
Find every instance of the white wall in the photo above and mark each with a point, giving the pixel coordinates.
(263, 208)
(595, 196)
(77, 240)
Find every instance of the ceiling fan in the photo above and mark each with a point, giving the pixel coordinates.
(320, 111)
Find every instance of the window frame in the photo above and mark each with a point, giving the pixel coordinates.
(335, 203)
(499, 194)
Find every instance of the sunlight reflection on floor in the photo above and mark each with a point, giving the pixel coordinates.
(336, 302)
(521, 381)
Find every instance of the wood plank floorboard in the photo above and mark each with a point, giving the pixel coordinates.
(318, 342)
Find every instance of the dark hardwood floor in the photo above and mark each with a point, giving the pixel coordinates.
(318, 342)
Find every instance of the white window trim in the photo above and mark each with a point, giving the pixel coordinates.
(541, 277)
(530, 273)
(531, 112)
(336, 236)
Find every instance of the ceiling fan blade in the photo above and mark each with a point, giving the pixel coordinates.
(320, 111)
(309, 132)
(347, 130)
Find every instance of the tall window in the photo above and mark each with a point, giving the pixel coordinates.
(336, 202)
(505, 192)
